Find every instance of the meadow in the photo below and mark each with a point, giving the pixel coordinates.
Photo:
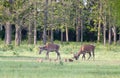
(22, 62)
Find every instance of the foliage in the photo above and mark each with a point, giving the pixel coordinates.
(62, 14)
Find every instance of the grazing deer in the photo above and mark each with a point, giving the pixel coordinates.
(50, 48)
(85, 49)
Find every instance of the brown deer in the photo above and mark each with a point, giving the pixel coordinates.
(85, 49)
(50, 48)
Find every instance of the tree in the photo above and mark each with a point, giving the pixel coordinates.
(19, 12)
(99, 19)
(104, 18)
(35, 23)
(115, 16)
(45, 22)
(7, 17)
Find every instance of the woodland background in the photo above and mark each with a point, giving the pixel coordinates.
(62, 20)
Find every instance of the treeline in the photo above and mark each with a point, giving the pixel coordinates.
(64, 20)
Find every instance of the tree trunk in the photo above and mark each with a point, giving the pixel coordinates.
(119, 38)
(61, 36)
(30, 33)
(18, 35)
(109, 35)
(109, 41)
(51, 35)
(77, 30)
(44, 36)
(99, 24)
(8, 33)
(45, 23)
(104, 35)
(81, 30)
(67, 33)
(104, 30)
(35, 24)
(35, 33)
(52, 17)
(77, 34)
(114, 32)
(99, 31)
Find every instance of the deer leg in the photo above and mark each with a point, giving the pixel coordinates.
(89, 55)
(58, 55)
(83, 56)
(47, 55)
(93, 55)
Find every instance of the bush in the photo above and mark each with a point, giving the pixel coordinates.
(6, 47)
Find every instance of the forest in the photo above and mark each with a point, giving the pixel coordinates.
(84, 35)
(59, 20)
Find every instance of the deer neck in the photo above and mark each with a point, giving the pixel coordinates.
(79, 53)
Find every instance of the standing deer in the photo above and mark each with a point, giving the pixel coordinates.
(85, 49)
(50, 48)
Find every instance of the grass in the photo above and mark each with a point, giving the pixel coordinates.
(21, 62)
(12, 69)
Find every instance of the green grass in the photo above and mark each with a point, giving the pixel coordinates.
(11, 69)
(22, 62)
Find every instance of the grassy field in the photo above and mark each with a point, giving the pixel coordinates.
(21, 62)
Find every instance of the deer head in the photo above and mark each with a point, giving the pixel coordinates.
(75, 56)
(41, 49)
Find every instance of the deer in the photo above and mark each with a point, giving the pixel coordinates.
(88, 48)
(50, 47)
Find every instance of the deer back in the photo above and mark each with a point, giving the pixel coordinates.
(87, 48)
(52, 46)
